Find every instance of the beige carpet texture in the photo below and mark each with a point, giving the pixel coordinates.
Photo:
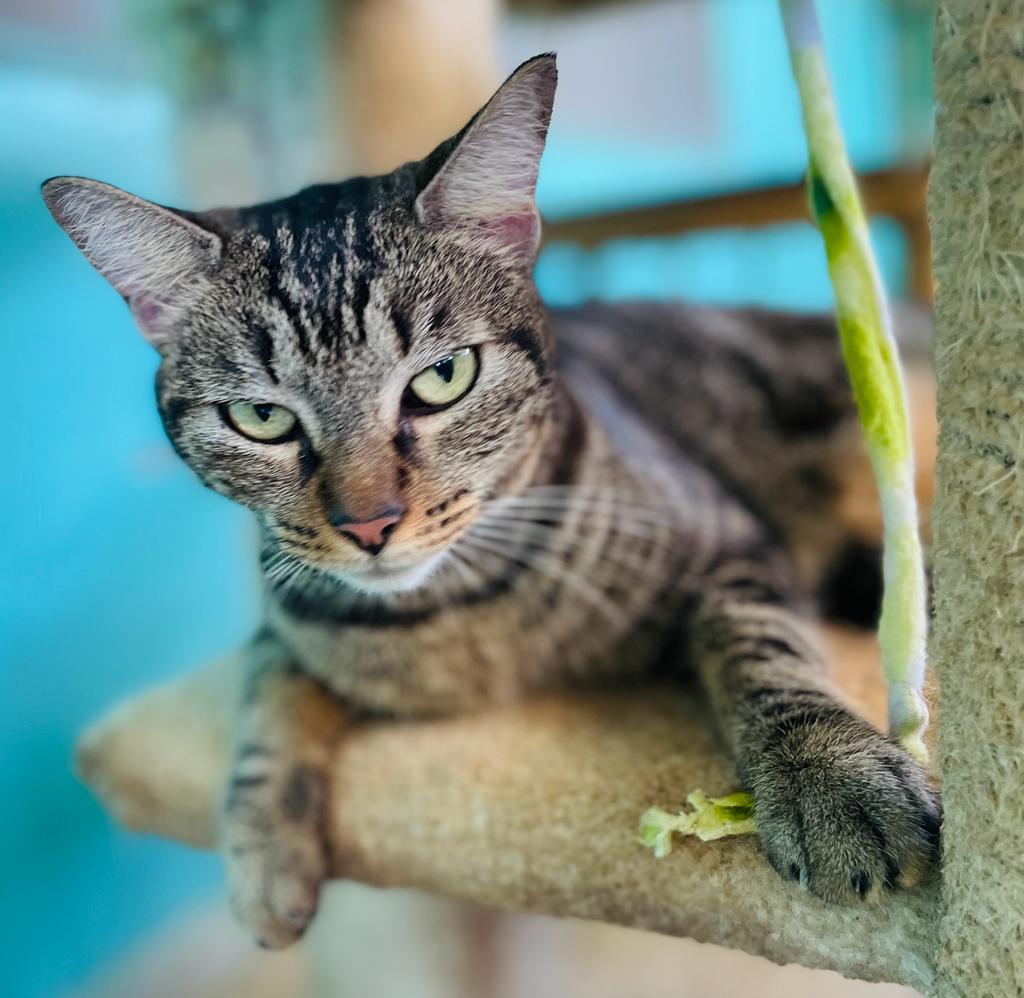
(532, 807)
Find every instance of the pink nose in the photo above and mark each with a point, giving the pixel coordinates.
(370, 535)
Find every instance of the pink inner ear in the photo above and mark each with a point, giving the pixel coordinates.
(147, 310)
(151, 317)
(512, 230)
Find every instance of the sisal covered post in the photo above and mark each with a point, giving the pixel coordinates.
(977, 214)
(405, 74)
(272, 96)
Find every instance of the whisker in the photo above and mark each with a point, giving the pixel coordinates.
(641, 500)
(583, 504)
(464, 566)
(282, 569)
(283, 573)
(555, 570)
(605, 491)
(545, 637)
(301, 547)
(619, 524)
(647, 568)
(276, 562)
(584, 487)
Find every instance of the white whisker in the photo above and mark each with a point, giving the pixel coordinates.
(584, 505)
(617, 524)
(555, 570)
(639, 567)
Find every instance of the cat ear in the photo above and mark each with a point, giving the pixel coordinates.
(486, 184)
(154, 257)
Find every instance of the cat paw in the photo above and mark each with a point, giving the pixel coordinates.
(275, 854)
(843, 810)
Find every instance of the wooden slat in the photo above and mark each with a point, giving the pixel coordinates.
(898, 193)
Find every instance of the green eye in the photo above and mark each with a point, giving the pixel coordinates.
(444, 382)
(262, 421)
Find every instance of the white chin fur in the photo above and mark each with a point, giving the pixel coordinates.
(383, 581)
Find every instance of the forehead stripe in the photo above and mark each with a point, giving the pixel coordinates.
(403, 329)
(440, 317)
(280, 297)
(295, 323)
(360, 299)
(265, 350)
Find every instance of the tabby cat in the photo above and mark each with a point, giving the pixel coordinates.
(465, 497)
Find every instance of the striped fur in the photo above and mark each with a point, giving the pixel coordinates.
(625, 491)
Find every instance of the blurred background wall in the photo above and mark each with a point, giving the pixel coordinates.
(672, 170)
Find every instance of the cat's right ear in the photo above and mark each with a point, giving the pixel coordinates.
(484, 184)
(154, 257)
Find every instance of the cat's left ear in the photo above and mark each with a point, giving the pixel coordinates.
(485, 185)
(154, 257)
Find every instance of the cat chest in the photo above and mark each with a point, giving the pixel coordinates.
(462, 659)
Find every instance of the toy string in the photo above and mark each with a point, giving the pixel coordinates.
(872, 361)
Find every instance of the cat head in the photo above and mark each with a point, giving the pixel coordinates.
(364, 363)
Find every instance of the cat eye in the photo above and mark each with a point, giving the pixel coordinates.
(443, 383)
(262, 421)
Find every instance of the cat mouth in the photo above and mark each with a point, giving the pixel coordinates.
(380, 578)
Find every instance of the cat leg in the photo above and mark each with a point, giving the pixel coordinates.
(273, 834)
(840, 808)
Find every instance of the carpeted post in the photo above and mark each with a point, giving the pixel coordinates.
(976, 204)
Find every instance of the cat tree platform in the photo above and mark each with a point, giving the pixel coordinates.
(529, 807)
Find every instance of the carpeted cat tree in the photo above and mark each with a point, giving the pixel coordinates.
(535, 806)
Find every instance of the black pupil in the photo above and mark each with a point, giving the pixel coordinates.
(445, 369)
(264, 410)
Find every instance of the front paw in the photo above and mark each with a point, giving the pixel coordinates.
(841, 809)
(274, 849)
